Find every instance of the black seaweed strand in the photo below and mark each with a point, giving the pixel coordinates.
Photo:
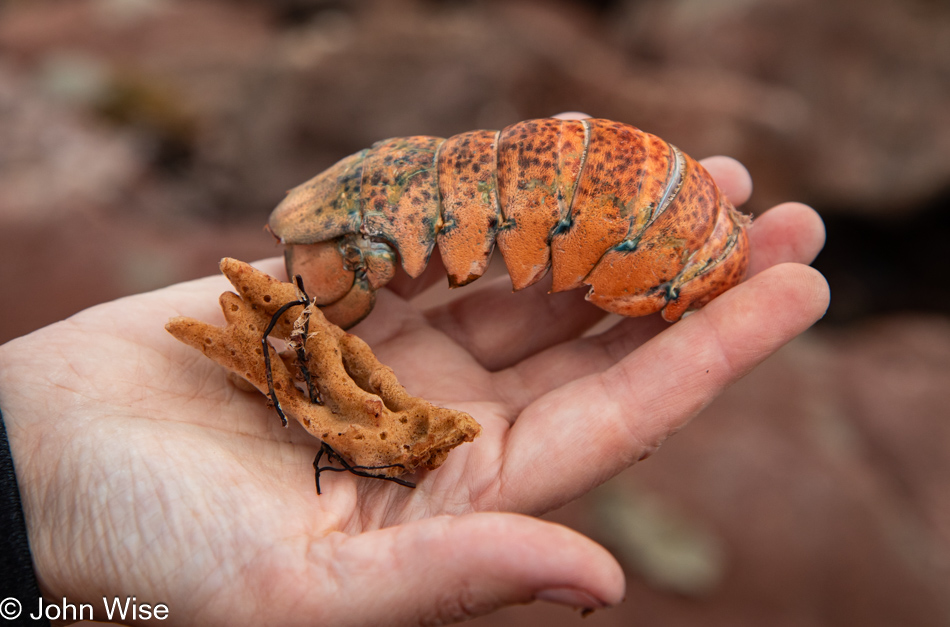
(359, 471)
(271, 393)
(302, 360)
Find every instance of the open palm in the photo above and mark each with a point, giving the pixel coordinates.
(144, 472)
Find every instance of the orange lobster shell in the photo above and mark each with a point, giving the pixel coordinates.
(600, 203)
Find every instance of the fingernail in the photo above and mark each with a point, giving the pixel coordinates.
(570, 596)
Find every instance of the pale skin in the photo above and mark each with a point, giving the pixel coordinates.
(144, 472)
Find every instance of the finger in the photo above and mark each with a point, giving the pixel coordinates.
(731, 177)
(448, 569)
(790, 232)
(571, 115)
(602, 423)
(143, 316)
(500, 329)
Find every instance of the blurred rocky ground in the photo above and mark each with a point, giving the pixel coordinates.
(142, 140)
(813, 493)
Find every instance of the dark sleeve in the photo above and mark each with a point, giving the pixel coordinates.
(18, 588)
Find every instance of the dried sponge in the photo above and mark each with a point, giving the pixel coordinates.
(328, 380)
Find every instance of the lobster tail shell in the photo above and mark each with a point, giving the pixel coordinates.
(600, 203)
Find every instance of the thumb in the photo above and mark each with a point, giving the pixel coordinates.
(449, 569)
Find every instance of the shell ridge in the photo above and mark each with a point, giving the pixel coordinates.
(673, 185)
(567, 217)
(437, 228)
(503, 222)
(501, 208)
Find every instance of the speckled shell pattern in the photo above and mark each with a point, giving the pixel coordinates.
(599, 203)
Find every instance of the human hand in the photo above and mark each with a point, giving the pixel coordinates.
(144, 472)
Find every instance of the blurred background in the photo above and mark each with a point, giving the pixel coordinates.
(142, 140)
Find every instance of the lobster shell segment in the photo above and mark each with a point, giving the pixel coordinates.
(400, 193)
(327, 206)
(329, 275)
(471, 213)
(600, 203)
(625, 177)
(538, 166)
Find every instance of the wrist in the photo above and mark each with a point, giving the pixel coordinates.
(24, 432)
(18, 584)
